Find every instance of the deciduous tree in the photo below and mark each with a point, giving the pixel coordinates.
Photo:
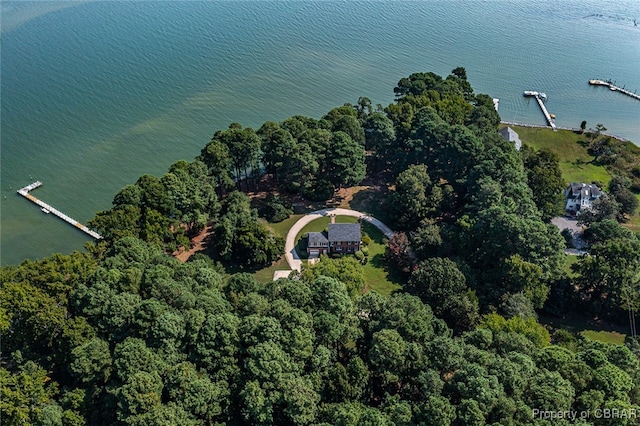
(416, 197)
(545, 180)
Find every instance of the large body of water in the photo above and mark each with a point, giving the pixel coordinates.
(96, 94)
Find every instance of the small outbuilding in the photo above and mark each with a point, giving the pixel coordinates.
(510, 135)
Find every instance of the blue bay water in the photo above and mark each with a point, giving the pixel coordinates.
(96, 94)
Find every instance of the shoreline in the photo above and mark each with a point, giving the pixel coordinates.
(573, 129)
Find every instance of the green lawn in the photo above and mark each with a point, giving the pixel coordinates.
(265, 275)
(568, 261)
(601, 331)
(575, 161)
(282, 228)
(604, 336)
(378, 274)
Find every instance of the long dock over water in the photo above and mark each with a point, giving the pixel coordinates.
(614, 88)
(46, 208)
(540, 97)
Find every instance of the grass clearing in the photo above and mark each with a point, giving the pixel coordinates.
(379, 275)
(570, 147)
(568, 261)
(282, 228)
(634, 222)
(265, 275)
(602, 331)
(604, 336)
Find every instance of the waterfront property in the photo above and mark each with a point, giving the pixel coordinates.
(580, 197)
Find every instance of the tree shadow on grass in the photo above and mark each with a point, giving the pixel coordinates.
(378, 261)
(301, 248)
(393, 275)
(373, 201)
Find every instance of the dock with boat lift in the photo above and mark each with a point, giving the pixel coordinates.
(611, 85)
(46, 208)
(540, 97)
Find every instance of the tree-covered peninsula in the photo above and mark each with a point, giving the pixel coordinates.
(125, 333)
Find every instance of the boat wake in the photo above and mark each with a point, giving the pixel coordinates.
(613, 18)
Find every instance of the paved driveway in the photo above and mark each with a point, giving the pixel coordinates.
(571, 223)
(290, 243)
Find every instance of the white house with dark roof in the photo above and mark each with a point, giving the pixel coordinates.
(510, 135)
(340, 238)
(580, 197)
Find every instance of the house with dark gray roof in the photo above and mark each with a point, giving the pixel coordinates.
(340, 238)
(510, 135)
(580, 197)
(317, 243)
(344, 237)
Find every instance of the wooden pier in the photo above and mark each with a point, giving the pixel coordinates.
(614, 88)
(540, 97)
(46, 208)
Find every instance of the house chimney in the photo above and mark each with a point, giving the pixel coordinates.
(333, 218)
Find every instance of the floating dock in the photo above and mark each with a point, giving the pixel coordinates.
(540, 97)
(614, 88)
(46, 208)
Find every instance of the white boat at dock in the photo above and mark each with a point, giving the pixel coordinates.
(612, 86)
(540, 95)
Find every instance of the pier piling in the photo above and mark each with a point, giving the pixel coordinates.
(614, 88)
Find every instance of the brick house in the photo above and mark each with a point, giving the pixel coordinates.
(341, 238)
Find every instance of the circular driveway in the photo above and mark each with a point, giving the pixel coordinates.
(290, 243)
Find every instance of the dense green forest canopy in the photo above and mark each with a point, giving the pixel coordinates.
(125, 333)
